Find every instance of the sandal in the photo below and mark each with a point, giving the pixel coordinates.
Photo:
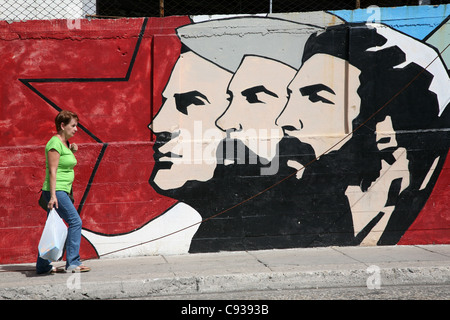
(58, 270)
(77, 269)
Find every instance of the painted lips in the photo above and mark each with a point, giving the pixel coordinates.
(164, 160)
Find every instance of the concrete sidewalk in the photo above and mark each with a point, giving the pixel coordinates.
(330, 267)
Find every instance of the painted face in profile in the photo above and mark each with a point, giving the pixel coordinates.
(187, 138)
(323, 101)
(258, 94)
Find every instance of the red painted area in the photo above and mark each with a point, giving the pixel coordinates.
(432, 226)
(117, 113)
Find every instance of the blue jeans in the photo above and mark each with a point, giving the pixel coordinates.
(69, 214)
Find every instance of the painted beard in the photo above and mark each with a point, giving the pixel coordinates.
(240, 171)
(243, 207)
(237, 175)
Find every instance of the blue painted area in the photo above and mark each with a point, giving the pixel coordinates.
(416, 21)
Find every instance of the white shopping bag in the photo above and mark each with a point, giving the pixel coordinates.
(53, 237)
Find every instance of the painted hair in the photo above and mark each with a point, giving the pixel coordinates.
(273, 38)
(392, 77)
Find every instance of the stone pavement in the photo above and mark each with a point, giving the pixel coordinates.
(156, 276)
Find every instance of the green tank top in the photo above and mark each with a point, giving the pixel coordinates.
(67, 161)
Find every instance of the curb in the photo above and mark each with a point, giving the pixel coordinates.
(74, 288)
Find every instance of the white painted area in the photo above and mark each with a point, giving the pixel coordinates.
(170, 233)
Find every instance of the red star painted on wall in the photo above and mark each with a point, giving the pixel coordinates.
(115, 156)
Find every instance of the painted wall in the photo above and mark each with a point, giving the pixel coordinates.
(232, 133)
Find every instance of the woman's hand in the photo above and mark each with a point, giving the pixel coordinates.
(74, 147)
(53, 202)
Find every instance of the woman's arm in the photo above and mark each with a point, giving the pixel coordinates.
(53, 161)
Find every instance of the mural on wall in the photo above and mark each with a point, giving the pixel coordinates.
(248, 132)
(242, 113)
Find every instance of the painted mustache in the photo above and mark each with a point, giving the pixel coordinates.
(162, 139)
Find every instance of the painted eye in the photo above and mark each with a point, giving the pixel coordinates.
(184, 100)
(253, 98)
(313, 93)
(251, 94)
(316, 97)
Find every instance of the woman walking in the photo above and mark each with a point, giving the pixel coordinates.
(59, 176)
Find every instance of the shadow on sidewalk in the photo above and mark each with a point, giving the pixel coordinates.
(28, 271)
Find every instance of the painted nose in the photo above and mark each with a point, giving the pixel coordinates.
(166, 120)
(289, 123)
(228, 123)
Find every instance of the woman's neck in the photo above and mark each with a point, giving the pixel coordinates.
(62, 137)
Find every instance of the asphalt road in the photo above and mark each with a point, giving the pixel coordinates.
(405, 292)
